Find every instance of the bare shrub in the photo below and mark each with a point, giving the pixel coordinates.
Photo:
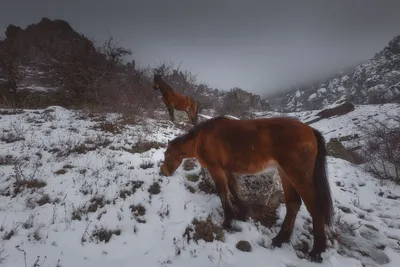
(182, 81)
(22, 182)
(204, 229)
(154, 188)
(142, 146)
(7, 160)
(381, 148)
(103, 234)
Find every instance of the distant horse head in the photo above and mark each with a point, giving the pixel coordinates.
(157, 81)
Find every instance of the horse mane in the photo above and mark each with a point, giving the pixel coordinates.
(159, 79)
(192, 133)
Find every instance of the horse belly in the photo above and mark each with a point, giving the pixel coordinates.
(268, 167)
(255, 168)
(180, 103)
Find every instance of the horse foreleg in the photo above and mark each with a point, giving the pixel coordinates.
(192, 119)
(220, 180)
(233, 186)
(171, 113)
(293, 203)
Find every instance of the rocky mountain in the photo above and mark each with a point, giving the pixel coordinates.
(376, 81)
(29, 55)
(27, 51)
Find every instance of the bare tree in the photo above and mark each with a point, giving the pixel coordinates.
(381, 149)
(181, 81)
(85, 73)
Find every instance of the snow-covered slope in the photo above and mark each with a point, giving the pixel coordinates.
(90, 180)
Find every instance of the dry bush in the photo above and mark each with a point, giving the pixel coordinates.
(182, 81)
(142, 146)
(205, 230)
(103, 234)
(381, 149)
(23, 182)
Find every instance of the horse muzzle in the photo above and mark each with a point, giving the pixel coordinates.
(163, 172)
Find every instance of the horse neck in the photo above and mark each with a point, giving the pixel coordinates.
(166, 89)
(187, 147)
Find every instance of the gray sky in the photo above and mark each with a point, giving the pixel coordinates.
(260, 46)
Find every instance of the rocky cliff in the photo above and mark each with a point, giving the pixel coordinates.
(376, 81)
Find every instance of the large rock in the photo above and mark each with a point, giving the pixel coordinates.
(252, 100)
(262, 193)
(340, 110)
(336, 149)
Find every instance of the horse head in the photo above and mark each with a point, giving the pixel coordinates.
(157, 80)
(172, 159)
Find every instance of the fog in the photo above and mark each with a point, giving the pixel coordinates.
(260, 46)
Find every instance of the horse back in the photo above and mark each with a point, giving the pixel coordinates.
(250, 146)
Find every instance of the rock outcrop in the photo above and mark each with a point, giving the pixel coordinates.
(252, 100)
(376, 81)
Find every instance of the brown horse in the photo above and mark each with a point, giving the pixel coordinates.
(174, 100)
(225, 147)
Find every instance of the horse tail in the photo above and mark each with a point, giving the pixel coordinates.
(323, 191)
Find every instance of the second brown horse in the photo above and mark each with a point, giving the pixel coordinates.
(225, 147)
(175, 101)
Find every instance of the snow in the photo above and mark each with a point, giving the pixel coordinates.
(298, 93)
(312, 97)
(45, 136)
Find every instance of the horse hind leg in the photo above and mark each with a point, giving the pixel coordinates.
(293, 203)
(305, 186)
(220, 180)
(233, 186)
(310, 200)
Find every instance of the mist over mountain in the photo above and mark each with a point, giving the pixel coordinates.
(372, 82)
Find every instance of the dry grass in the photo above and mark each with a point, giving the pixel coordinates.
(205, 230)
(103, 234)
(154, 189)
(110, 127)
(143, 146)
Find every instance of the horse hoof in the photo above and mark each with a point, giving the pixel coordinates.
(276, 242)
(242, 217)
(315, 256)
(227, 225)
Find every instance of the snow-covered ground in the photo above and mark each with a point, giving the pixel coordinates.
(86, 183)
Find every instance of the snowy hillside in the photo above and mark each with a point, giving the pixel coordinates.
(376, 81)
(79, 189)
